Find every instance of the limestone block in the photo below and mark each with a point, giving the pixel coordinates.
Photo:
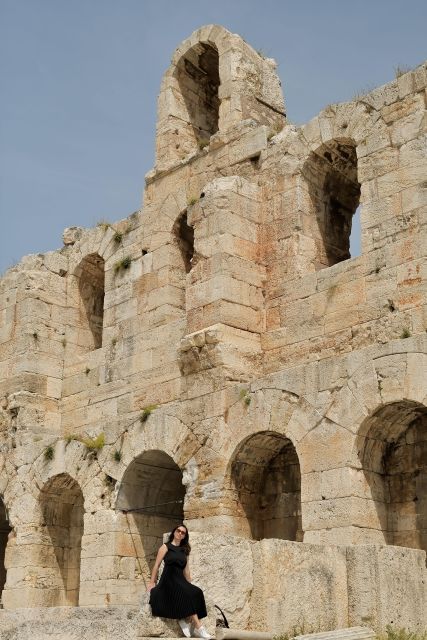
(379, 581)
(223, 567)
(306, 584)
(80, 623)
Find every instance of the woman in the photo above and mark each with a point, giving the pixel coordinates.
(175, 596)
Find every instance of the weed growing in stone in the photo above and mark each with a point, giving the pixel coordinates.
(117, 455)
(122, 264)
(401, 634)
(245, 396)
(405, 333)
(147, 411)
(49, 453)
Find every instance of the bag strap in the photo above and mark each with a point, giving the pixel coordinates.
(223, 616)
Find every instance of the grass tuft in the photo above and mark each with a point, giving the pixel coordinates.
(146, 412)
(49, 453)
(117, 456)
(123, 264)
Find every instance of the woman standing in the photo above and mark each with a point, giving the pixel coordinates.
(175, 596)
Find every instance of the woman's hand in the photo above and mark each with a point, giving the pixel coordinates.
(150, 585)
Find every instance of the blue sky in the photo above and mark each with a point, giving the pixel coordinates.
(80, 79)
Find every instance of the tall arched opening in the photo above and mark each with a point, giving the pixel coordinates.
(266, 476)
(184, 235)
(91, 278)
(332, 180)
(5, 529)
(197, 74)
(151, 495)
(62, 509)
(392, 446)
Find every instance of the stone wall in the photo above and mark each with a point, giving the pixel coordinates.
(219, 356)
(271, 585)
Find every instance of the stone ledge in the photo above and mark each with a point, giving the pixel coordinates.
(352, 633)
(83, 623)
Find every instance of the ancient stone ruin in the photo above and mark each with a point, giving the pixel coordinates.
(220, 357)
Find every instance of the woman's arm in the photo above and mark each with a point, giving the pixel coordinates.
(160, 555)
(187, 571)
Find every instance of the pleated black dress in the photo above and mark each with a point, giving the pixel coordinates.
(174, 596)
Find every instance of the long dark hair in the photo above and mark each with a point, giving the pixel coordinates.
(184, 541)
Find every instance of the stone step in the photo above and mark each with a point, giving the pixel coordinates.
(351, 633)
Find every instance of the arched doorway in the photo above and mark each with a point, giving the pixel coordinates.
(5, 529)
(184, 235)
(266, 477)
(151, 495)
(197, 74)
(91, 281)
(392, 447)
(332, 179)
(62, 509)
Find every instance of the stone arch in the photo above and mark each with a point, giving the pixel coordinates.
(265, 474)
(5, 529)
(392, 449)
(91, 285)
(62, 511)
(197, 74)
(151, 496)
(184, 236)
(215, 81)
(334, 189)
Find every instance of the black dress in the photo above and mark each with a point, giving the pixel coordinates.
(174, 596)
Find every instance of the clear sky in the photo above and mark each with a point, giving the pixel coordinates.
(80, 78)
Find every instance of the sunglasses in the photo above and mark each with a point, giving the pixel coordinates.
(181, 532)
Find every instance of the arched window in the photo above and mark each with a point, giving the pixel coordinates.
(62, 510)
(152, 496)
(91, 278)
(184, 235)
(198, 77)
(331, 176)
(266, 476)
(393, 454)
(4, 534)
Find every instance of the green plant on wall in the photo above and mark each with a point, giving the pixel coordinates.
(123, 264)
(147, 411)
(49, 453)
(94, 444)
(245, 396)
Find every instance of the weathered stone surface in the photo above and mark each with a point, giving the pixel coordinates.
(219, 357)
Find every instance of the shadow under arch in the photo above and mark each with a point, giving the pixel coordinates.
(266, 477)
(392, 449)
(62, 507)
(5, 529)
(197, 74)
(91, 284)
(151, 495)
(331, 175)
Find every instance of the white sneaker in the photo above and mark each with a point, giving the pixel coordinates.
(201, 633)
(186, 627)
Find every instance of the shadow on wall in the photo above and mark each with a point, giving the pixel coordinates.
(266, 477)
(198, 77)
(5, 529)
(393, 451)
(62, 509)
(334, 189)
(151, 495)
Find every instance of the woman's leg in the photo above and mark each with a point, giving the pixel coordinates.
(195, 621)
